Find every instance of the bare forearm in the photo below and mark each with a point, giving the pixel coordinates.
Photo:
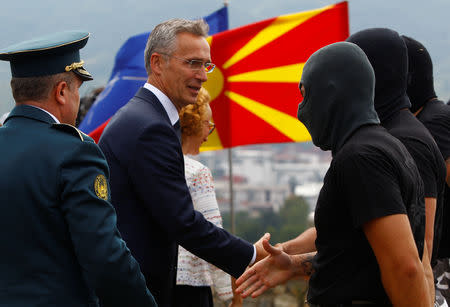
(304, 243)
(408, 288)
(401, 268)
(430, 212)
(428, 274)
(302, 265)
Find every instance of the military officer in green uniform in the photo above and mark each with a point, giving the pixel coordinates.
(60, 243)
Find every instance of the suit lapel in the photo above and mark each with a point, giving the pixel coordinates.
(177, 128)
(148, 96)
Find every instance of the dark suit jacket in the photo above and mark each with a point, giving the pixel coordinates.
(153, 204)
(59, 238)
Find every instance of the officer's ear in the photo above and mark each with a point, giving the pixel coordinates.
(60, 92)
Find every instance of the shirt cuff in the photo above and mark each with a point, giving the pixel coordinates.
(254, 256)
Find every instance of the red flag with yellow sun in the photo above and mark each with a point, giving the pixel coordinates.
(254, 88)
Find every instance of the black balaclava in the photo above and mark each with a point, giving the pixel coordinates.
(339, 89)
(388, 55)
(420, 74)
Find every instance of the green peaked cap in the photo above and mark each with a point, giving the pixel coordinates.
(48, 55)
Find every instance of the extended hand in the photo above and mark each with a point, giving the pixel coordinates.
(275, 269)
(261, 253)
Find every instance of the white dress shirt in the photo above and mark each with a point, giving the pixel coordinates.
(166, 103)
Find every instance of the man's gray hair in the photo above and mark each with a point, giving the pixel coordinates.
(163, 37)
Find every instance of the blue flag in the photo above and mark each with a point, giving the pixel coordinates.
(129, 74)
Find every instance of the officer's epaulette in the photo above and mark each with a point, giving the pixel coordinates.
(70, 129)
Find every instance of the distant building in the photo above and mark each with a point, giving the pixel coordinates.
(265, 175)
(310, 192)
(248, 197)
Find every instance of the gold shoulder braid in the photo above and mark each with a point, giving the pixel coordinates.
(101, 187)
(75, 65)
(69, 129)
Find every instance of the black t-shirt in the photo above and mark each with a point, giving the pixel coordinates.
(435, 116)
(372, 176)
(422, 147)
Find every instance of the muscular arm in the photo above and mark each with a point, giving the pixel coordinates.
(430, 213)
(428, 272)
(401, 270)
(304, 243)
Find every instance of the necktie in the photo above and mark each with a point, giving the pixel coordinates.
(177, 128)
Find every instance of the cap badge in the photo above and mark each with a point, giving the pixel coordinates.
(75, 65)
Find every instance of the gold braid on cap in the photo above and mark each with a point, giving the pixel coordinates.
(75, 65)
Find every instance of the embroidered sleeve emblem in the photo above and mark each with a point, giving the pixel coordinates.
(101, 187)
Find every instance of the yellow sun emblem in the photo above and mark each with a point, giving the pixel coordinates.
(101, 187)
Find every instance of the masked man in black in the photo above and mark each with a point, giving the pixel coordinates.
(369, 217)
(388, 55)
(434, 114)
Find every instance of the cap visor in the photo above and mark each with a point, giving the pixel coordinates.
(83, 74)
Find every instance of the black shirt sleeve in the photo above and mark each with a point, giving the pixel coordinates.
(427, 164)
(372, 186)
(439, 127)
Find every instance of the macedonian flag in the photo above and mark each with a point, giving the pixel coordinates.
(254, 88)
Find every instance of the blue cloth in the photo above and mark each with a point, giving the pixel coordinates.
(129, 74)
(153, 203)
(61, 246)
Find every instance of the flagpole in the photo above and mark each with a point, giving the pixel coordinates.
(230, 173)
(230, 185)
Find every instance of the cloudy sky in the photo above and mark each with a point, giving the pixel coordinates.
(112, 22)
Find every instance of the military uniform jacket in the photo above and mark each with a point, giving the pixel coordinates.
(153, 203)
(60, 244)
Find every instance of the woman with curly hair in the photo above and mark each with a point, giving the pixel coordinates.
(194, 275)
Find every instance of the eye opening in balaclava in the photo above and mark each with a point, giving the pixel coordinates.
(339, 88)
(302, 94)
(300, 86)
(420, 74)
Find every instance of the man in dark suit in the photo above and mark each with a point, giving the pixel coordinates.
(141, 144)
(61, 246)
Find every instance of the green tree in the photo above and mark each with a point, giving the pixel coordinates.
(288, 223)
(294, 218)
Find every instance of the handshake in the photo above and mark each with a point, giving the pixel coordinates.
(275, 265)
